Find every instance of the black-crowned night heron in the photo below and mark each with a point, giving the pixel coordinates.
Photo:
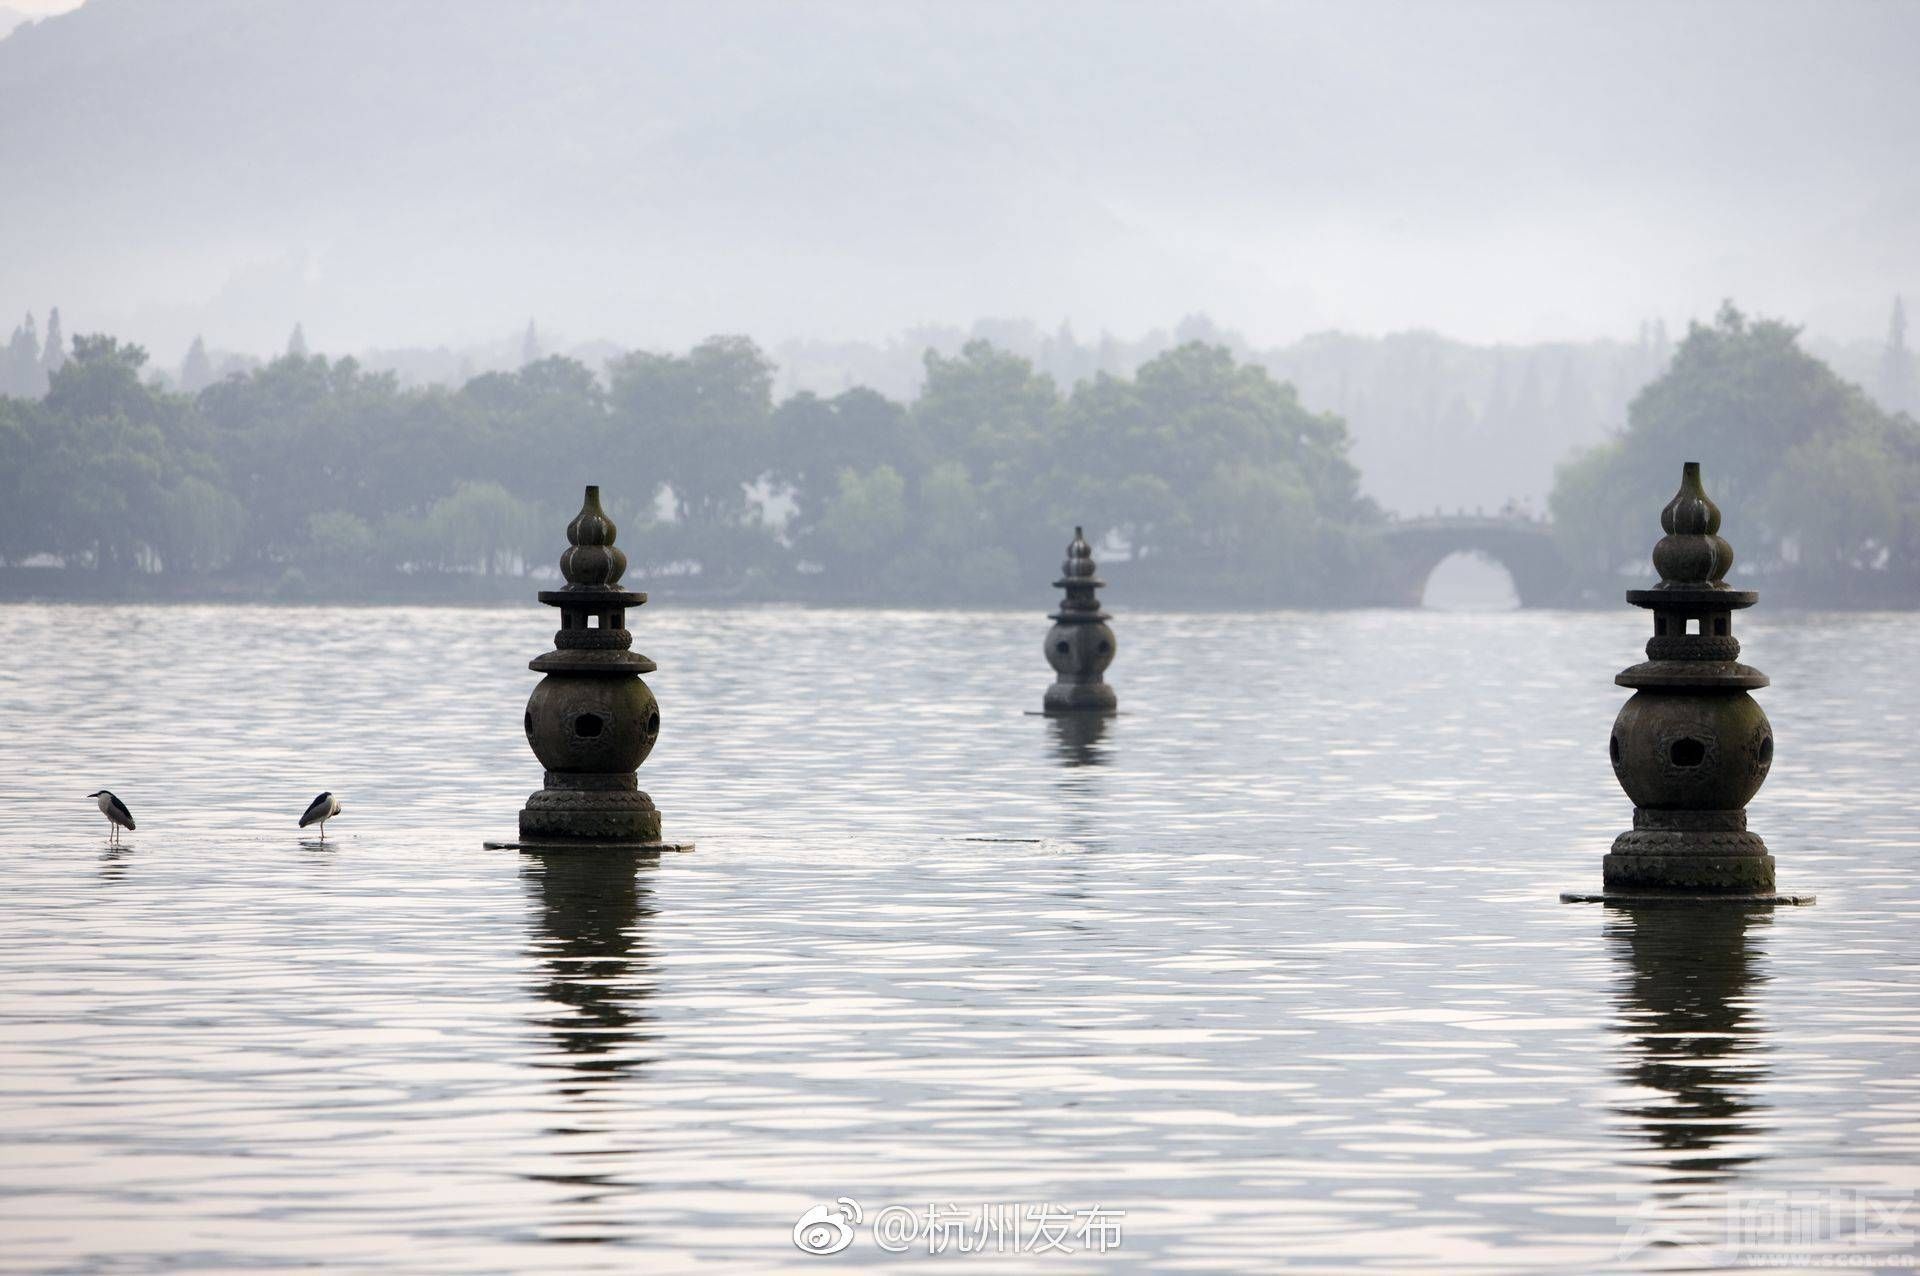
(319, 811)
(118, 816)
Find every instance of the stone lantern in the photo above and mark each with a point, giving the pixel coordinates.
(1691, 746)
(1080, 646)
(592, 720)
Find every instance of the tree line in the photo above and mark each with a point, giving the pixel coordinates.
(27, 364)
(1201, 473)
(314, 475)
(1819, 485)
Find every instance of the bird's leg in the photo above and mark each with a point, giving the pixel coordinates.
(323, 830)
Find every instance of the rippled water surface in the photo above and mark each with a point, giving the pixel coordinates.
(1273, 962)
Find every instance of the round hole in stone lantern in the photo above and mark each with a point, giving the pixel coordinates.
(591, 724)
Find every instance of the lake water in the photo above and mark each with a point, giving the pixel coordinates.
(1274, 963)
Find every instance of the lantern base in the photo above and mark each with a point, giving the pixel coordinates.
(1675, 897)
(590, 808)
(1079, 697)
(1070, 694)
(1689, 861)
(543, 848)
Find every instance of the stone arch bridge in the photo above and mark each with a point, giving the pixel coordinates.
(1525, 547)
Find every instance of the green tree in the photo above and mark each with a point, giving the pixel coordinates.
(1807, 467)
(340, 541)
(951, 518)
(996, 416)
(481, 523)
(1741, 394)
(202, 526)
(697, 421)
(1598, 525)
(540, 432)
(1897, 392)
(987, 409)
(104, 460)
(301, 436)
(53, 356)
(17, 539)
(1213, 464)
(20, 372)
(196, 370)
(866, 521)
(1262, 514)
(814, 439)
(1840, 496)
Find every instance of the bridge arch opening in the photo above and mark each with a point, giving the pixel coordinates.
(1469, 580)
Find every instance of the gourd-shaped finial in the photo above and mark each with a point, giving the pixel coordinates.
(1691, 555)
(1079, 556)
(591, 561)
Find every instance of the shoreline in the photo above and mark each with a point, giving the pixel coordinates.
(49, 585)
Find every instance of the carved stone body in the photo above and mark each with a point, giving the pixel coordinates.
(1691, 747)
(1081, 644)
(592, 720)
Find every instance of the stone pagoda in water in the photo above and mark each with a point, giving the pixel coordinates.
(592, 720)
(1080, 645)
(1691, 747)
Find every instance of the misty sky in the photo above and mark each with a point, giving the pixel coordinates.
(440, 171)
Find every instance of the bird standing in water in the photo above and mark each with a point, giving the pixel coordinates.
(118, 816)
(319, 811)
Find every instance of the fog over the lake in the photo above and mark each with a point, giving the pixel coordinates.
(438, 172)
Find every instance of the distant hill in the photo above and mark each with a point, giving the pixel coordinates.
(651, 171)
(379, 169)
(393, 174)
(11, 18)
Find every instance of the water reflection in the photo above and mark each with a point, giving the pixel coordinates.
(113, 863)
(1077, 736)
(1688, 978)
(590, 920)
(1191, 966)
